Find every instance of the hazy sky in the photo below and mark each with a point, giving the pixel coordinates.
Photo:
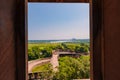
(58, 21)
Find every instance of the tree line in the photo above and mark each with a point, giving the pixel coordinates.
(43, 50)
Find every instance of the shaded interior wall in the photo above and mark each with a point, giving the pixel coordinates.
(13, 40)
(111, 27)
(96, 40)
(7, 40)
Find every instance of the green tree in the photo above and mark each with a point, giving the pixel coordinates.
(85, 60)
(46, 52)
(36, 51)
(71, 68)
(31, 55)
(65, 47)
(81, 49)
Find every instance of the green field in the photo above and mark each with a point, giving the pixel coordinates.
(41, 68)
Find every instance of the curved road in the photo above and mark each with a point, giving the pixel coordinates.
(33, 63)
(53, 60)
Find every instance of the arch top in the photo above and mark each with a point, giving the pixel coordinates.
(66, 1)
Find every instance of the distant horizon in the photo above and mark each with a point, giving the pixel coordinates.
(56, 39)
(54, 21)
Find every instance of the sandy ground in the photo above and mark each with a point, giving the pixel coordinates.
(54, 62)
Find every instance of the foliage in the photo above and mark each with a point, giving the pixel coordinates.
(81, 49)
(46, 71)
(69, 68)
(43, 50)
(72, 68)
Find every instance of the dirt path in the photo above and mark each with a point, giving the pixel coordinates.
(53, 60)
(34, 63)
